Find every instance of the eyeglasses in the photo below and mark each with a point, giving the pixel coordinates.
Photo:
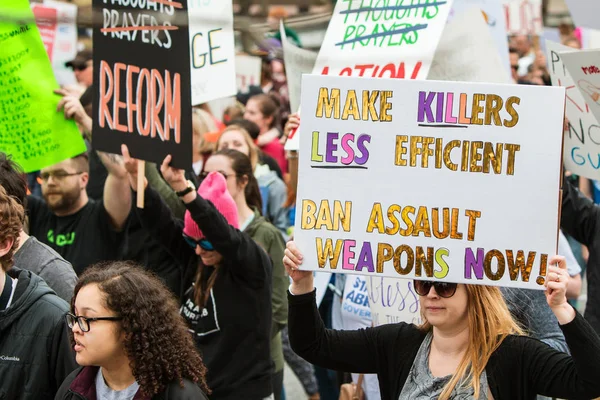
(515, 67)
(203, 243)
(84, 322)
(443, 289)
(204, 174)
(81, 67)
(57, 175)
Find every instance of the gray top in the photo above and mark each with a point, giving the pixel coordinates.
(422, 385)
(40, 259)
(103, 392)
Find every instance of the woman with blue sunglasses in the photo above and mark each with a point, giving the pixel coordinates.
(228, 275)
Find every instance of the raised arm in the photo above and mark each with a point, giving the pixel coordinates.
(157, 183)
(579, 216)
(116, 196)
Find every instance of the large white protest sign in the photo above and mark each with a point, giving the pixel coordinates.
(429, 179)
(494, 19)
(298, 61)
(524, 17)
(585, 13)
(247, 72)
(581, 146)
(212, 49)
(584, 68)
(475, 59)
(393, 41)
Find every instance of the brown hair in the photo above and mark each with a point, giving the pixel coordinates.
(11, 224)
(253, 150)
(157, 341)
(13, 179)
(242, 166)
(490, 322)
(268, 107)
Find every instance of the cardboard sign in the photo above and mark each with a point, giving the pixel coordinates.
(31, 130)
(584, 68)
(524, 17)
(45, 19)
(582, 149)
(212, 49)
(368, 39)
(494, 19)
(429, 180)
(142, 81)
(297, 61)
(475, 60)
(584, 13)
(247, 72)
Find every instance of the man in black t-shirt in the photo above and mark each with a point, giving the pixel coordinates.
(81, 230)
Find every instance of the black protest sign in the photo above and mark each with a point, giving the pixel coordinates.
(142, 80)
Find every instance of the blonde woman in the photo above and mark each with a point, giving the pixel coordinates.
(468, 347)
(204, 138)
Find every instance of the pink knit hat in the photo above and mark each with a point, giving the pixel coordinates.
(214, 189)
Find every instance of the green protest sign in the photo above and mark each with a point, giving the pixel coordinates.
(31, 130)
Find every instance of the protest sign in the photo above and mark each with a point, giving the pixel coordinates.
(367, 39)
(247, 72)
(492, 12)
(581, 146)
(475, 60)
(142, 84)
(31, 129)
(418, 179)
(297, 62)
(393, 300)
(212, 49)
(65, 41)
(584, 13)
(45, 19)
(584, 68)
(523, 17)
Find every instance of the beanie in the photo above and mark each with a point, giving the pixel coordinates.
(214, 189)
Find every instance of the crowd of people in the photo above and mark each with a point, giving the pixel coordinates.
(199, 295)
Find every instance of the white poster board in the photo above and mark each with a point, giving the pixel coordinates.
(493, 17)
(476, 59)
(247, 72)
(581, 154)
(378, 41)
(405, 179)
(212, 54)
(393, 300)
(584, 68)
(524, 17)
(297, 61)
(585, 13)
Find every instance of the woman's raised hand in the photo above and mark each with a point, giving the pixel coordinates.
(556, 283)
(302, 280)
(174, 177)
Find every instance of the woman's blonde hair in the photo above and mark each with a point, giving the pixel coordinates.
(490, 322)
(253, 155)
(203, 123)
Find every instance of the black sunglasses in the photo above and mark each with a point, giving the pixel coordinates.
(443, 289)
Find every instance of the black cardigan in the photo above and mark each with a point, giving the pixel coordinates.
(519, 369)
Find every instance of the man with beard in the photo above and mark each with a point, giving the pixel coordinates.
(81, 230)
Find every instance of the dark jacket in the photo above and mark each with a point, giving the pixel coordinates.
(519, 369)
(269, 238)
(232, 330)
(580, 219)
(81, 385)
(35, 351)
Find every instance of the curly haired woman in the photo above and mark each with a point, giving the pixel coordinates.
(129, 339)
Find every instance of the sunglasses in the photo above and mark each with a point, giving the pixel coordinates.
(203, 243)
(443, 289)
(81, 67)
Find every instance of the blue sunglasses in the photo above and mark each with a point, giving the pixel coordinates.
(203, 243)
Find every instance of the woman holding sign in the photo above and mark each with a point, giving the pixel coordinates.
(468, 346)
(227, 305)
